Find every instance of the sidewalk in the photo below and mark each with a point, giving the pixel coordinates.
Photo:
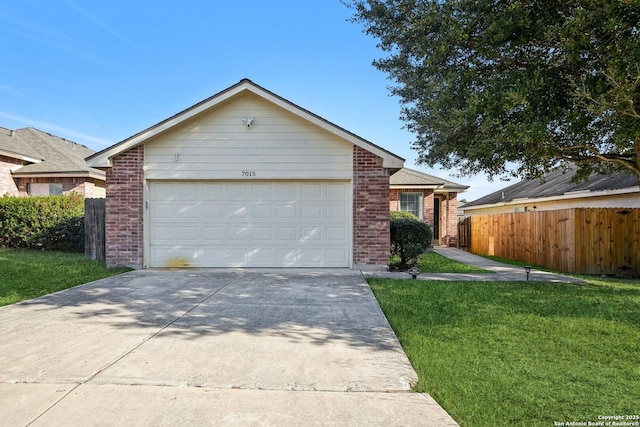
(496, 271)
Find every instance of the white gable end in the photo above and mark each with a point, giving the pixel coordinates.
(219, 144)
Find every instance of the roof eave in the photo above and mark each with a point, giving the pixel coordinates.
(19, 156)
(566, 196)
(439, 187)
(69, 174)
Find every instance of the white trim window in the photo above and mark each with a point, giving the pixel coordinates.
(411, 202)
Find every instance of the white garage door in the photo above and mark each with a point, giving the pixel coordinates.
(249, 224)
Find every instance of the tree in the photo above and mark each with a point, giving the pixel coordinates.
(514, 87)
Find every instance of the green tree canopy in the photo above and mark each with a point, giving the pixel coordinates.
(514, 87)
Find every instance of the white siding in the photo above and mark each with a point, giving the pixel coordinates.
(218, 145)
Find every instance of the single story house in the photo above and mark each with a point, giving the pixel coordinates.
(557, 190)
(246, 178)
(432, 199)
(36, 163)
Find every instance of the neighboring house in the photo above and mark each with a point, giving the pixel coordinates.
(246, 178)
(36, 163)
(430, 198)
(557, 191)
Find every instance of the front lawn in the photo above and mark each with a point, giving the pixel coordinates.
(518, 353)
(432, 262)
(29, 274)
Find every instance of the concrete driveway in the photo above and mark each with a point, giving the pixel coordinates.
(208, 347)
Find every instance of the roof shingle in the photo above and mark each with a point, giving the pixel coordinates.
(556, 183)
(413, 178)
(53, 154)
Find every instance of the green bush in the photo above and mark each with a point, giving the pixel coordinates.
(51, 222)
(403, 215)
(409, 239)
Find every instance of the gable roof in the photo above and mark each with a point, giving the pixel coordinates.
(410, 178)
(46, 154)
(103, 158)
(558, 184)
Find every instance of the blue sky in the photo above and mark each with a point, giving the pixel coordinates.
(99, 72)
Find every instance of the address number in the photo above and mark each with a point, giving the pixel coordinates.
(248, 173)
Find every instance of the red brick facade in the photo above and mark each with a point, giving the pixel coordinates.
(88, 187)
(125, 204)
(124, 209)
(448, 226)
(371, 239)
(7, 184)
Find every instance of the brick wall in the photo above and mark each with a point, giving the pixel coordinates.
(427, 202)
(88, 187)
(7, 184)
(448, 212)
(124, 209)
(371, 241)
(451, 220)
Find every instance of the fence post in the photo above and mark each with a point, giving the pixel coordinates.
(94, 231)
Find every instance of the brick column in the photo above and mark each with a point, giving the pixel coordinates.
(124, 209)
(371, 238)
(452, 220)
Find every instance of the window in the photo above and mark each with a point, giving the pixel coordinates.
(55, 189)
(411, 202)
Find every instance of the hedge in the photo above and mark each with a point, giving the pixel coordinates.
(402, 215)
(409, 239)
(46, 223)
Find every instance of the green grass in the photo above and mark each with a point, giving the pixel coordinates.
(517, 353)
(30, 274)
(432, 262)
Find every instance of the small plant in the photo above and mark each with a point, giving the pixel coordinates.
(409, 239)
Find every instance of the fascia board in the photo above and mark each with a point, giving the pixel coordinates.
(19, 156)
(59, 175)
(566, 196)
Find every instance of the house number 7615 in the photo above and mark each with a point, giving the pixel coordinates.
(248, 173)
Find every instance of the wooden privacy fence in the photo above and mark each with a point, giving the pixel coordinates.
(581, 240)
(94, 241)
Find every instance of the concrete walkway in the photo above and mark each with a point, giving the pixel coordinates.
(496, 271)
(209, 347)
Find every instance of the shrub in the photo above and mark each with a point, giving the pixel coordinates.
(409, 239)
(51, 222)
(403, 215)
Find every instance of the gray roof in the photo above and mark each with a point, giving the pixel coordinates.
(556, 183)
(413, 178)
(46, 153)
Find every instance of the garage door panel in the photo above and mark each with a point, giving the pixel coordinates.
(311, 211)
(286, 212)
(336, 234)
(337, 256)
(336, 212)
(211, 234)
(249, 224)
(260, 211)
(211, 212)
(311, 234)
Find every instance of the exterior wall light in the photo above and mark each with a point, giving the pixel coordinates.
(414, 272)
